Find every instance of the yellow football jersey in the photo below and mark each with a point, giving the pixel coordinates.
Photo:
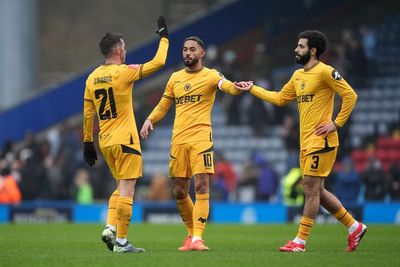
(314, 89)
(194, 96)
(108, 93)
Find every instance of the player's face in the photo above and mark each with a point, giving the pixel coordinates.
(121, 51)
(192, 53)
(302, 52)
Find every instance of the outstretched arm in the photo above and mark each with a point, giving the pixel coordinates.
(156, 115)
(281, 98)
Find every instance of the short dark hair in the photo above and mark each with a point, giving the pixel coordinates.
(315, 39)
(108, 42)
(196, 39)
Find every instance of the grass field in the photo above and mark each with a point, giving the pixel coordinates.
(52, 245)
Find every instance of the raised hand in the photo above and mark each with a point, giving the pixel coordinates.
(162, 27)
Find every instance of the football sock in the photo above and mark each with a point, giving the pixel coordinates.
(304, 228)
(200, 214)
(121, 241)
(124, 214)
(112, 210)
(299, 241)
(353, 227)
(185, 208)
(345, 218)
(195, 238)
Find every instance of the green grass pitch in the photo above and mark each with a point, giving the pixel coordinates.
(52, 245)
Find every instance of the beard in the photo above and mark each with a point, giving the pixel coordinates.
(190, 62)
(303, 59)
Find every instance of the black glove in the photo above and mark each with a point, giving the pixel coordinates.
(89, 153)
(162, 27)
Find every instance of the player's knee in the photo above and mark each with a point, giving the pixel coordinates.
(201, 188)
(179, 192)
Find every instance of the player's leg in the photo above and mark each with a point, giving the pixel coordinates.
(127, 168)
(200, 211)
(185, 208)
(109, 233)
(355, 229)
(311, 186)
(180, 172)
(313, 169)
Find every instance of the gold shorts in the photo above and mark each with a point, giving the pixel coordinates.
(187, 160)
(317, 162)
(124, 161)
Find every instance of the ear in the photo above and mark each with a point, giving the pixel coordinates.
(203, 52)
(313, 51)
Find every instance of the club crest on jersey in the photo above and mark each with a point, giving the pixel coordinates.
(336, 75)
(303, 85)
(187, 87)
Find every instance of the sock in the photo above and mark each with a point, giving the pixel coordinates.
(111, 227)
(195, 238)
(112, 210)
(124, 214)
(304, 228)
(345, 218)
(299, 241)
(185, 208)
(353, 227)
(200, 214)
(121, 241)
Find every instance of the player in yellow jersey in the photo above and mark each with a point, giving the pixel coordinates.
(314, 88)
(193, 90)
(108, 93)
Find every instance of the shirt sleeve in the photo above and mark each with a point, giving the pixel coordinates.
(349, 98)
(164, 105)
(89, 111)
(281, 98)
(224, 84)
(135, 72)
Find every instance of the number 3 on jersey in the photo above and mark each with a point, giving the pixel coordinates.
(106, 96)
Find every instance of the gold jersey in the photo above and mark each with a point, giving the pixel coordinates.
(314, 89)
(108, 93)
(194, 96)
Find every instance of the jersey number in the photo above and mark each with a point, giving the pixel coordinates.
(316, 161)
(207, 160)
(106, 95)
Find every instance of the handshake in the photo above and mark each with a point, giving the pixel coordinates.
(243, 85)
(162, 27)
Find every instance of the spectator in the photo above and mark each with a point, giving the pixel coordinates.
(292, 188)
(374, 178)
(290, 133)
(394, 182)
(9, 191)
(224, 179)
(347, 183)
(160, 189)
(84, 191)
(267, 182)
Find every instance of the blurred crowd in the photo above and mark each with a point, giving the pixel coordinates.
(50, 165)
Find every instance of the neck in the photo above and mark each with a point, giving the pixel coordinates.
(194, 68)
(112, 60)
(311, 63)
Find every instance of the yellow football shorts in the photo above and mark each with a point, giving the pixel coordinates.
(124, 161)
(187, 160)
(317, 162)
